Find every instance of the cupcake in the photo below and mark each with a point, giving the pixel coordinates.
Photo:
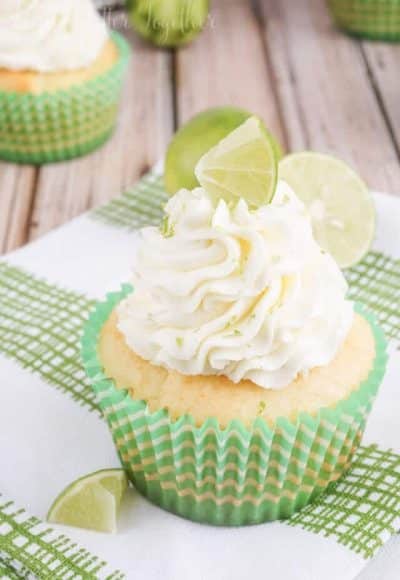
(373, 19)
(60, 79)
(235, 375)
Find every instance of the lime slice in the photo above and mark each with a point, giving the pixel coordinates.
(244, 164)
(340, 204)
(91, 502)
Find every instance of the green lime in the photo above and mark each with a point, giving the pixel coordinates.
(168, 22)
(195, 138)
(339, 203)
(276, 146)
(243, 165)
(91, 502)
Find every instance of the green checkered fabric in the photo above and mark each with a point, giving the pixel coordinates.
(360, 509)
(40, 327)
(7, 573)
(375, 281)
(14, 568)
(62, 124)
(30, 549)
(138, 207)
(373, 19)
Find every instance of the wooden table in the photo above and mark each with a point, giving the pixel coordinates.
(283, 59)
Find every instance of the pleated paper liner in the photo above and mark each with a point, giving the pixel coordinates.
(236, 475)
(371, 19)
(62, 124)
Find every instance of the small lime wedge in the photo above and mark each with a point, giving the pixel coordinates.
(243, 165)
(91, 502)
(339, 203)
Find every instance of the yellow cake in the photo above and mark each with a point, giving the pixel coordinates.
(217, 396)
(27, 81)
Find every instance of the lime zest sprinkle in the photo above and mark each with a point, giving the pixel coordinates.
(242, 265)
(167, 228)
(237, 332)
(262, 405)
(230, 322)
(179, 341)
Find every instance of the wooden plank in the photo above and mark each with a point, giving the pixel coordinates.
(325, 92)
(383, 61)
(104, 4)
(227, 65)
(145, 125)
(17, 183)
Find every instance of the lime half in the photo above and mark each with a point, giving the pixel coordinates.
(91, 502)
(195, 138)
(339, 203)
(244, 164)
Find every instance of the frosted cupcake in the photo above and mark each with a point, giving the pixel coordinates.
(60, 79)
(235, 375)
(372, 19)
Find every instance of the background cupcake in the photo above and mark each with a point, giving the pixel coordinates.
(373, 19)
(60, 79)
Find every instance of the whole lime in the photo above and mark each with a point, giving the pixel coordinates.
(168, 23)
(195, 138)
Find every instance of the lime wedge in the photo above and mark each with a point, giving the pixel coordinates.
(243, 165)
(339, 203)
(91, 502)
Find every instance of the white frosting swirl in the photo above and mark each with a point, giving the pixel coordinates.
(247, 294)
(49, 35)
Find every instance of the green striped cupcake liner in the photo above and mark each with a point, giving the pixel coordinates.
(59, 125)
(236, 475)
(371, 19)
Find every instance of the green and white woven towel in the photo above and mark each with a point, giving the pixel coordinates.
(51, 431)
